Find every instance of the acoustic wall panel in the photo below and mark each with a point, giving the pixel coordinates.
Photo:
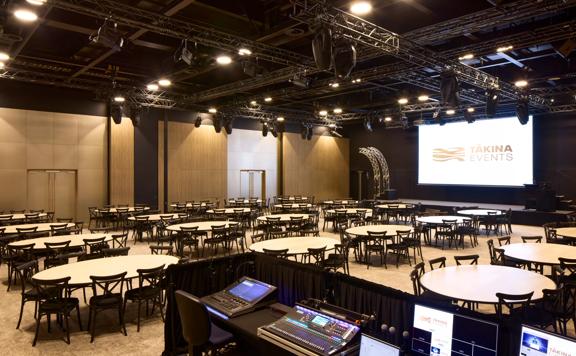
(122, 162)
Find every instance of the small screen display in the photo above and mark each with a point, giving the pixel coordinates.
(320, 321)
(370, 346)
(249, 291)
(540, 343)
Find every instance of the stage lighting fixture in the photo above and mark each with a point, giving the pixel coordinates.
(119, 99)
(267, 99)
(357, 80)
(253, 103)
(25, 15)
(343, 58)
(273, 129)
(322, 47)
(403, 101)
(323, 112)
(2, 65)
(135, 116)
(360, 7)
(449, 89)
(212, 110)
(229, 123)
(184, 54)
(198, 121)
(368, 125)
(224, 60)
(264, 128)
(423, 98)
(468, 115)
(109, 36)
(334, 85)
(331, 125)
(388, 118)
(252, 69)
(337, 111)
(300, 81)
(450, 112)
(523, 110)
(217, 122)
(164, 82)
(152, 87)
(280, 119)
(466, 56)
(244, 51)
(521, 83)
(4, 56)
(492, 98)
(116, 113)
(504, 49)
(335, 133)
(36, 2)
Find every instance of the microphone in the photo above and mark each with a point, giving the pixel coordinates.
(392, 330)
(384, 328)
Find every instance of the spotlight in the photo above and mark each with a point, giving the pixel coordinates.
(522, 110)
(343, 58)
(449, 88)
(403, 101)
(228, 125)
(109, 36)
(4, 56)
(119, 99)
(280, 119)
(244, 51)
(323, 112)
(164, 82)
(368, 125)
(334, 85)
(388, 118)
(337, 111)
(253, 103)
(212, 110)
(224, 60)
(492, 97)
(184, 54)
(357, 80)
(25, 15)
(217, 122)
(264, 128)
(300, 81)
(252, 68)
(116, 113)
(360, 7)
(135, 116)
(36, 2)
(470, 110)
(267, 99)
(468, 115)
(152, 87)
(198, 121)
(335, 133)
(521, 83)
(423, 98)
(450, 112)
(332, 125)
(2, 65)
(504, 49)
(466, 56)
(322, 47)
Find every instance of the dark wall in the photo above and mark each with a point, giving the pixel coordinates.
(554, 162)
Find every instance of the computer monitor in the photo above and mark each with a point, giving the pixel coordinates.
(536, 342)
(370, 346)
(250, 290)
(437, 332)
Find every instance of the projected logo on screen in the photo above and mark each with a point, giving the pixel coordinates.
(447, 154)
(474, 153)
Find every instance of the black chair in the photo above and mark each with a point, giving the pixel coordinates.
(115, 252)
(189, 239)
(149, 290)
(161, 250)
(107, 294)
(533, 239)
(447, 231)
(517, 305)
(337, 259)
(24, 272)
(471, 259)
(119, 240)
(218, 238)
(18, 255)
(53, 252)
(504, 240)
(439, 262)
(59, 229)
(93, 247)
(197, 329)
(276, 253)
(27, 232)
(315, 256)
(53, 299)
(375, 242)
(400, 246)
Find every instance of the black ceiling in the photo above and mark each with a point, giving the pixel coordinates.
(57, 49)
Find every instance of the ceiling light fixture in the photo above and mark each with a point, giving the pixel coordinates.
(152, 87)
(357, 80)
(4, 56)
(253, 103)
(267, 99)
(244, 51)
(470, 110)
(36, 2)
(212, 110)
(504, 49)
(25, 15)
(332, 125)
(280, 119)
(223, 59)
(2, 65)
(450, 112)
(337, 110)
(323, 112)
(521, 83)
(466, 56)
(403, 101)
(360, 7)
(334, 85)
(423, 98)
(388, 119)
(119, 99)
(164, 82)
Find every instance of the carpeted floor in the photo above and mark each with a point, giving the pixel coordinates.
(150, 339)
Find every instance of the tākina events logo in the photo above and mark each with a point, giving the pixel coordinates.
(448, 154)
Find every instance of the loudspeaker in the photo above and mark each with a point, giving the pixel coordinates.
(449, 89)
(310, 133)
(523, 110)
(322, 48)
(264, 129)
(492, 97)
(217, 122)
(303, 132)
(116, 113)
(228, 125)
(344, 58)
(135, 115)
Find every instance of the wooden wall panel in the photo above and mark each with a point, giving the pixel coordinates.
(161, 165)
(319, 167)
(197, 162)
(122, 162)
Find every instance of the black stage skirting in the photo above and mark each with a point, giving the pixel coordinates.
(295, 282)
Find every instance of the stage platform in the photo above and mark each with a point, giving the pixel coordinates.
(520, 215)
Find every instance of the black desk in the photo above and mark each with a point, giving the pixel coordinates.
(245, 327)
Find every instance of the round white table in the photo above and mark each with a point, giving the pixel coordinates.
(568, 232)
(437, 220)
(389, 229)
(280, 199)
(131, 209)
(541, 254)
(228, 211)
(80, 272)
(480, 283)
(293, 206)
(339, 202)
(480, 212)
(351, 211)
(22, 216)
(155, 217)
(245, 201)
(75, 240)
(190, 205)
(202, 225)
(41, 227)
(283, 217)
(295, 245)
(394, 206)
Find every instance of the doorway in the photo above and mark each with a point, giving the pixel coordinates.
(53, 190)
(253, 183)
